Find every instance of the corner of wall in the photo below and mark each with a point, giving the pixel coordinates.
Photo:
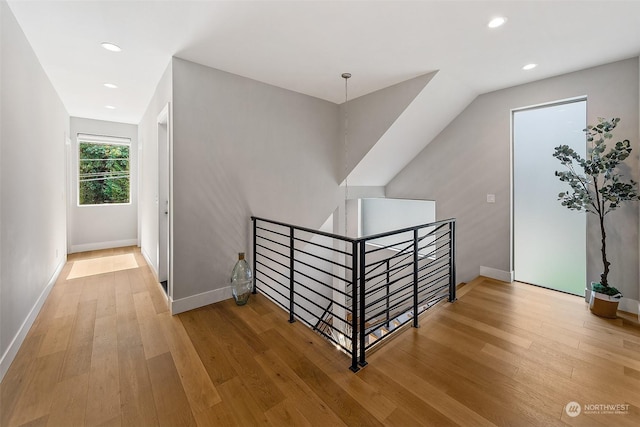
(195, 301)
(494, 273)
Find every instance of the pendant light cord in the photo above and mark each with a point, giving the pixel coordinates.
(346, 77)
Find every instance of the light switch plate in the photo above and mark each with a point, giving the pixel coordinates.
(491, 198)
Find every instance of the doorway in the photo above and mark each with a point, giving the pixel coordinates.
(162, 201)
(549, 240)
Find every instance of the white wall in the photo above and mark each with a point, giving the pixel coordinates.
(33, 127)
(472, 157)
(106, 226)
(380, 215)
(148, 169)
(242, 148)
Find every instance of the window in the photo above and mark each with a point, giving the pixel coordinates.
(103, 170)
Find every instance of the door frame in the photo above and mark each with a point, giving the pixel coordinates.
(512, 172)
(165, 119)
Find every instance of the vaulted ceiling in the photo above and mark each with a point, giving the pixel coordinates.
(305, 45)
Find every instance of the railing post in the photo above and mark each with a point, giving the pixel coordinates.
(255, 254)
(354, 307)
(291, 278)
(415, 278)
(452, 261)
(363, 361)
(388, 286)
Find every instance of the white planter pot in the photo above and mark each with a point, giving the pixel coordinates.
(605, 297)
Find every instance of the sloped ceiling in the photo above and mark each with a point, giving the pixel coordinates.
(434, 107)
(367, 118)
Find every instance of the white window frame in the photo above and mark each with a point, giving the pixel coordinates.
(106, 140)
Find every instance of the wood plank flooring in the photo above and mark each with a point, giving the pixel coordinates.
(105, 351)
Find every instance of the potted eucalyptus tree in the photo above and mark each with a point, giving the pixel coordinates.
(597, 186)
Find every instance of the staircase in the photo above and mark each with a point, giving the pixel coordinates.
(376, 329)
(374, 288)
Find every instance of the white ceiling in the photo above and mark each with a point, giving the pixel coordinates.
(305, 45)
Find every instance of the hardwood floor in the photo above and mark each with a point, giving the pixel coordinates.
(105, 351)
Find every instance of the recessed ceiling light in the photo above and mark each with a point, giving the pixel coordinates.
(497, 21)
(529, 67)
(110, 107)
(110, 46)
(110, 86)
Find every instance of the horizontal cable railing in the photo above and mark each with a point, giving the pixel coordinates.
(354, 292)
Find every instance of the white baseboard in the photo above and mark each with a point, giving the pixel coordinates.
(629, 305)
(147, 258)
(103, 245)
(196, 301)
(494, 273)
(18, 339)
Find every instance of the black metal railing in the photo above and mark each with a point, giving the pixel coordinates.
(354, 292)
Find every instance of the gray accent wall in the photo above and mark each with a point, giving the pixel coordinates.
(471, 157)
(242, 148)
(34, 126)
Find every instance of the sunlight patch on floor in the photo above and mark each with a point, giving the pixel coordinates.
(90, 267)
